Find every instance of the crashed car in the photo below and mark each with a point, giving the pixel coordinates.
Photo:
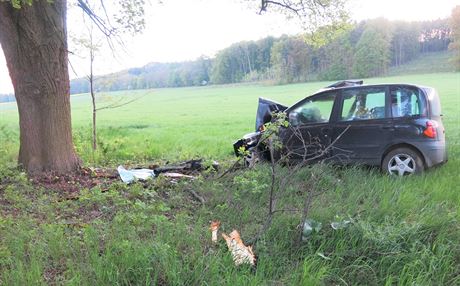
(397, 127)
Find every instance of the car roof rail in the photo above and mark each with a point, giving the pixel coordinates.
(346, 83)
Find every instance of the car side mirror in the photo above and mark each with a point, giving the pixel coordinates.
(293, 119)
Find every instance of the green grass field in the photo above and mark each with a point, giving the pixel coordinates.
(404, 231)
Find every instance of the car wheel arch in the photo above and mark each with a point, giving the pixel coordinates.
(403, 145)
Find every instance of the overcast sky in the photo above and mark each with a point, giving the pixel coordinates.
(180, 30)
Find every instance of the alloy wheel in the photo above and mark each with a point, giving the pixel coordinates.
(401, 165)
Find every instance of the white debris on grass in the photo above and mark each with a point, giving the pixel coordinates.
(129, 176)
(310, 226)
(340, 224)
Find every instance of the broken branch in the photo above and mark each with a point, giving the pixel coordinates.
(196, 196)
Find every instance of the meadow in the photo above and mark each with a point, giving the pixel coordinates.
(403, 231)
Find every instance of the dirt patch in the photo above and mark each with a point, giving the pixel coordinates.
(71, 184)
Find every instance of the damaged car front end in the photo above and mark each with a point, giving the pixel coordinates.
(248, 145)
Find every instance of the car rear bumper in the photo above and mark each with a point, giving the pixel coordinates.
(434, 152)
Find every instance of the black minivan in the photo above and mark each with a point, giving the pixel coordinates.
(395, 126)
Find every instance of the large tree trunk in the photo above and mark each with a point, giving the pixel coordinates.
(34, 40)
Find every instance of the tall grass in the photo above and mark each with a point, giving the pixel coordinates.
(132, 235)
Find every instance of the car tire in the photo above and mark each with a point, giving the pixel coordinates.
(402, 162)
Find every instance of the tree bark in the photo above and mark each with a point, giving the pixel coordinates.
(34, 40)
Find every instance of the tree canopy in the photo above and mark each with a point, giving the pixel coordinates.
(368, 48)
(455, 26)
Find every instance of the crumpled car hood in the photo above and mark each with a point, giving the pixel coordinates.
(265, 109)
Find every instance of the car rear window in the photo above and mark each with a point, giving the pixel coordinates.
(407, 102)
(434, 100)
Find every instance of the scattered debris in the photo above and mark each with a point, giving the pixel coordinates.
(129, 176)
(177, 176)
(214, 229)
(340, 224)
(310, 226)
(185, 167)
(240, 252)
(178, 171)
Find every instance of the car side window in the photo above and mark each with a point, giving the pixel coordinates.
(363, 104)
(406, 102)
(317, 110)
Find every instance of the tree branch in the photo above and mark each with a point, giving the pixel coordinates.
(115, 105)
(265, 3)
(279, 184)
(107, 30)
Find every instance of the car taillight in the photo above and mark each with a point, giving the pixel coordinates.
(430, 130)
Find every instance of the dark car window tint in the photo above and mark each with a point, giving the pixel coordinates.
(313, 111)
(363, 104)
(407, 102)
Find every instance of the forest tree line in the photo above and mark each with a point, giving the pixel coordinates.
(7, 97)
(367, 49)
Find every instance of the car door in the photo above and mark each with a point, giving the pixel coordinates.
(364, 125)
(309, 131)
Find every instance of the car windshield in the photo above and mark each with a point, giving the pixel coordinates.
(315, 110)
